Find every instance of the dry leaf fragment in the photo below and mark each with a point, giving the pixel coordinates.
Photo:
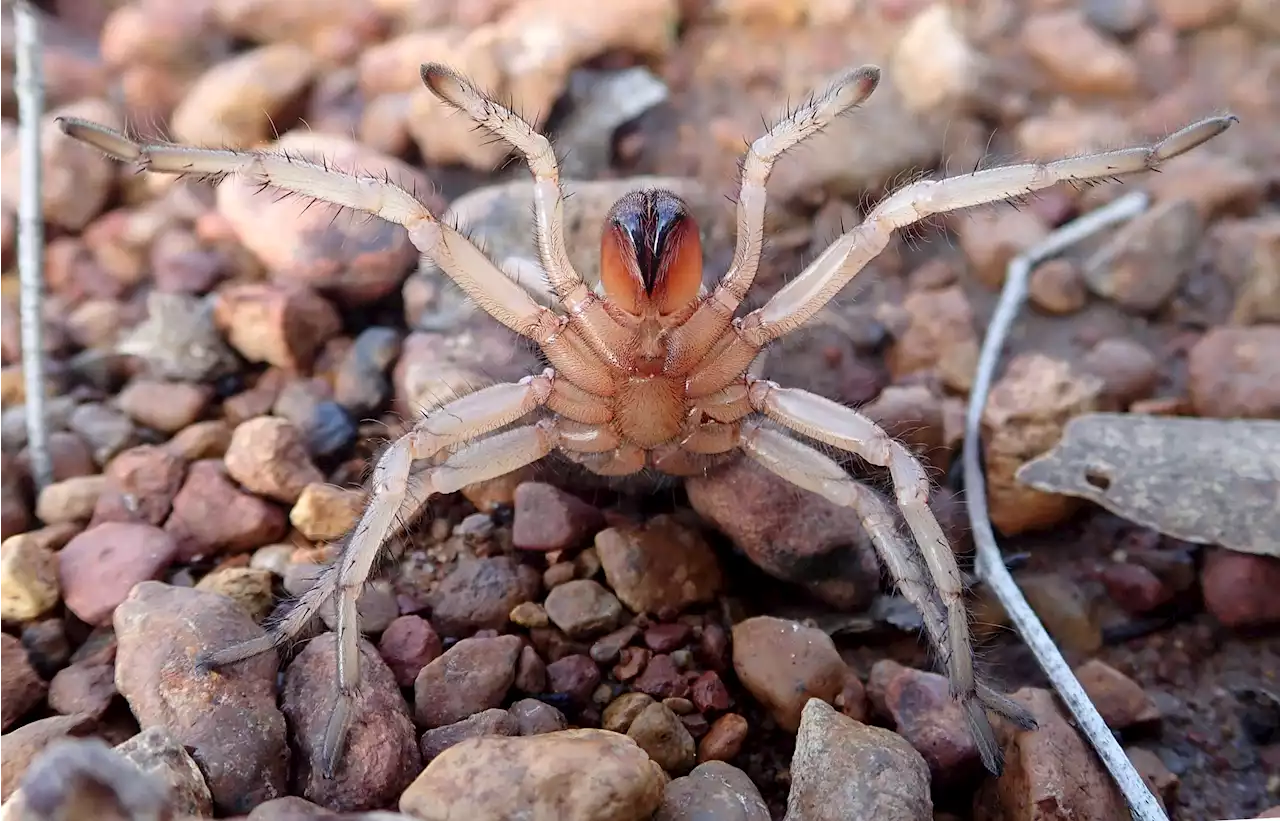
(1210, 481)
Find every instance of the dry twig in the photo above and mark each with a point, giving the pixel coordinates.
(29, 86)
(989, 563)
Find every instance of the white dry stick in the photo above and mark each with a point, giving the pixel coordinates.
(29, 86)
(989, 564)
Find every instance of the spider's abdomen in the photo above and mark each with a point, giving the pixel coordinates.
(649, 410)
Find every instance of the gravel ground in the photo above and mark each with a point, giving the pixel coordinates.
(223, 364)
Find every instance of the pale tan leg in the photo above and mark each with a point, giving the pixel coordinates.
(548, 200)
(586, 313)
(446, 427)
(690, 341)
(831, 422)
(805, 295)
(809, 469)
(495, 292)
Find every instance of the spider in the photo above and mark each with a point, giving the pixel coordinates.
(651, 369)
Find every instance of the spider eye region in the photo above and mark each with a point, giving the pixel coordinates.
(651, 253)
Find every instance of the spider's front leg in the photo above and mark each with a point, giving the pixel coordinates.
(548, 199)
(847, 91)
(392, 500)
(499, 295)
(797, 301)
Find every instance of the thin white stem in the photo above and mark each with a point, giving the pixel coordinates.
(29, 87)
(989, 563)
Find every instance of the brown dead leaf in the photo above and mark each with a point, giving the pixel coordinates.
(1210, 481)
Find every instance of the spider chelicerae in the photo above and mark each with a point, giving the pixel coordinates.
(651, 369)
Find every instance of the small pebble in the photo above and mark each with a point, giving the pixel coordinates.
(1052, 760)
(273, 557)
(623, 710)
(325, 426)
(284, 326)
(29, 585)
(662, 567)
(268, 456)
(21, 687)
(98, 568)
(662, 679)
(480, 594)
(47, 645)
(164, 406)
(529, 614)
(834, 756)
(607, 648)
(575, 676)
(141, 485)
(534, 717)
(547, 518)
(557, 574)
(86, 686)
(631, 662)
(325, 513)
(407, 645)
(661, 734)
(784, 664)
(160, 754)
(539, 776)
(1057, 287)
(211, 515)
(203, 440)
(251, 588)
(713, 791)
(472, 675)
(926, 715)
(709, 693)
(106, 430)
(1135, 588)
(724, 739)
(583, 609)
(663, 638)
(361, 384)
(531, 672)
(1120, 700)
(70, 500)
(494, 721)
(381, 753)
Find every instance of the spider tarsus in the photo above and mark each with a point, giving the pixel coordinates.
(335, 734)
(107, 140)
(1185, 139)
(444, 82)
(984, 735)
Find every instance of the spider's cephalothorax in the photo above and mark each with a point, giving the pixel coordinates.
(653, 371)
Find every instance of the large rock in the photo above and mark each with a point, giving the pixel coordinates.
(380, 756)
(226, 718)
(845, 769)
(1050, 772)
(785, 664)
(539, 778)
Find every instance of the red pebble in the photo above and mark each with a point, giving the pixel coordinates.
(663, 638)
(661, 679)
(1135, 588)
(709, 693)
